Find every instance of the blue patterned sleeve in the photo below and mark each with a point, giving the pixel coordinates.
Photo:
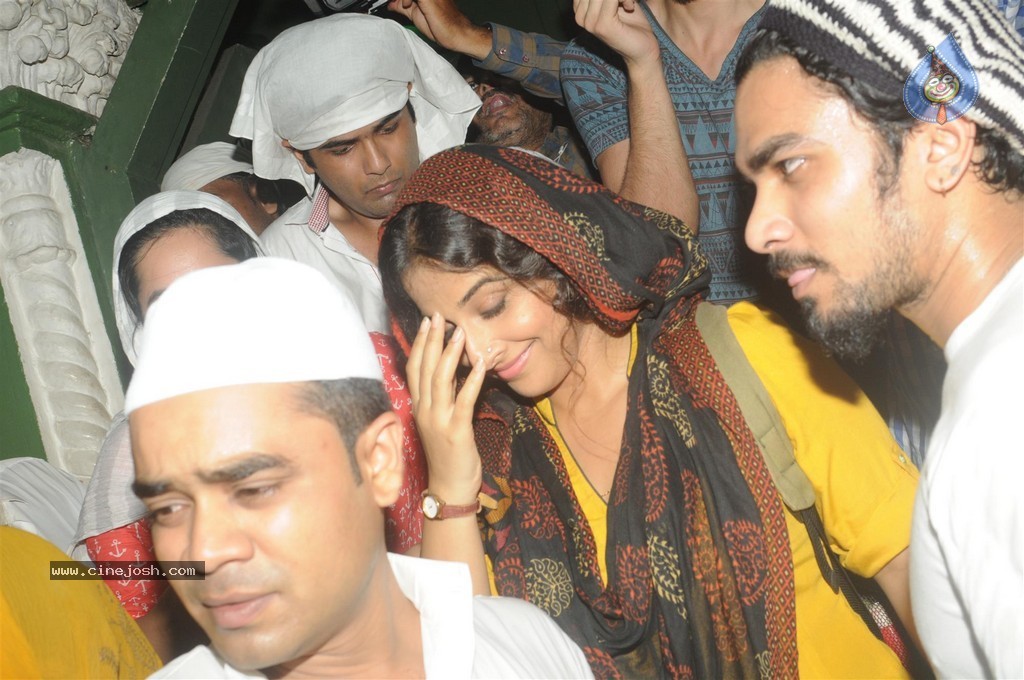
(596, 93)
(531, 59)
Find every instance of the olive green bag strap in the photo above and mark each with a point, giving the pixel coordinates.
(765, 422)
(757, 407)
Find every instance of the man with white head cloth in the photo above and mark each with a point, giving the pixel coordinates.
(274, 474)
(347, 105)
(224, 170)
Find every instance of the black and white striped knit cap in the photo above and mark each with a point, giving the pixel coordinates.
(881, 41)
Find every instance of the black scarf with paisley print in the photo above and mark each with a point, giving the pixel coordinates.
(700, 575)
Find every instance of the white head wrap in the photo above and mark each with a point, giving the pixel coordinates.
(331, 76)
(144, 214)
(203, 164)
(266, 320)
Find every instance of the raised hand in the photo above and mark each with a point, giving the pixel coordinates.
(443, 413)
(444, 23)
(621, 25)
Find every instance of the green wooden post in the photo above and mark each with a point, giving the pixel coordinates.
(142, 126)
(19, 428)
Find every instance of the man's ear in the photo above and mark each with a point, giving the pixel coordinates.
(307, 167)
(379, 454)
(272, 208)
(946, 152)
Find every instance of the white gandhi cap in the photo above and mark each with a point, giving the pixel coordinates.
(266, 320)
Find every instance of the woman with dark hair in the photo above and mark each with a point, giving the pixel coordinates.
(150, 255)
(622, 476)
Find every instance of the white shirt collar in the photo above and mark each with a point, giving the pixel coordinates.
(443, 594)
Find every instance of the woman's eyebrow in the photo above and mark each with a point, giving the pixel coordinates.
(476, 286)
(154, 297)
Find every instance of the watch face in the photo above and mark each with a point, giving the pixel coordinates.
(430, 507)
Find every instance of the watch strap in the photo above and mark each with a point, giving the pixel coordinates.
(449, 511)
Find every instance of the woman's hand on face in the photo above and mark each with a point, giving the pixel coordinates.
(443, 414)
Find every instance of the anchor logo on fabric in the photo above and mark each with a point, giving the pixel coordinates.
(943, 86)
(117, 551)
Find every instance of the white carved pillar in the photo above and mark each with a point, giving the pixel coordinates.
(70, 51)
(67, 50)
(66, 355)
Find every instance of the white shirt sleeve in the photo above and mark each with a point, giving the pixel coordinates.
(515, 639)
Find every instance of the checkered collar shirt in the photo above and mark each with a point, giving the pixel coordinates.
(319, 218)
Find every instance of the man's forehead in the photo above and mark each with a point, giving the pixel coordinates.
(367, 129)
(769, 85)
(227, 408)
(778, 98)
(488, 78)
(210, 429)
(780, 80)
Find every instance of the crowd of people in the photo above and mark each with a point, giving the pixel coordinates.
(537, 405)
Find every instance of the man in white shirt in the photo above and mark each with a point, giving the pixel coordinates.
(886, 143)
(270, 463)
(348, 106)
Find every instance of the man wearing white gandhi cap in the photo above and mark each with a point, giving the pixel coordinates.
(348, 106)
(272, 467)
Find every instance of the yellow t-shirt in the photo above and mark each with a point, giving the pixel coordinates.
(864, 484)
(62, 629)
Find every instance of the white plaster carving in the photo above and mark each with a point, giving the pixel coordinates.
(67, 50)
(67, 358)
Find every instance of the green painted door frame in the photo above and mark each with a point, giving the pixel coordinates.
(113, 163)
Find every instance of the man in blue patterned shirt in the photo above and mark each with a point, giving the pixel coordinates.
(656, 112)
(665, 139)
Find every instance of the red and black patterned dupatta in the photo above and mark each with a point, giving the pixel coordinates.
(700, 580)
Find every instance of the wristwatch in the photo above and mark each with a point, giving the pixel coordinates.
(435, 508)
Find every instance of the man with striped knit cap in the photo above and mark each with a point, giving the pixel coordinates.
(886, 142)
